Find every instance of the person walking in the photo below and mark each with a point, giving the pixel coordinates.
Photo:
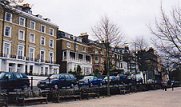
(165, 85)
(172, 85)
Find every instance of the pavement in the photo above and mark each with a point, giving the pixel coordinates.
(154, 98)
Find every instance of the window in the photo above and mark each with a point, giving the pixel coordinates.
(84, 49)
(21, 21)
(42, 55)
(20, 52)
(32, 24)
(41, 70)
(88, 58)
(96, 51)
(80, 56)
(68, 45)
(51, 43)
(32, 38)
(43, 28)
(21, 35)
(6, 49)
(121, 65)
(51, 57)
(51, 31)
(42, 42)
(96, 58)
(31, 53)
(76, 47)
(7, 31)
(8, 17)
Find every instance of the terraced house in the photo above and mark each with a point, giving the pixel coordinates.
(97, 51)
(72, 54)
(27, 41)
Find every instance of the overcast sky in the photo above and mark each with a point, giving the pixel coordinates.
(77, 16)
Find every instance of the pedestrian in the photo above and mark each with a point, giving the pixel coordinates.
(165, 85)
(172, 85)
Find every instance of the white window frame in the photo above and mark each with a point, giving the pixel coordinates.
(31, 25)
(33, 53)
(19, 51)
(23, 22)
(51, 61)
(52, 43)
(9, 31)
(76, 47)
(9, 51)
(19, 37)
(68, 45)
(30, 39)
(10, 16)
(53, 31)
(42, 29)
(44, 41)
(43, 56)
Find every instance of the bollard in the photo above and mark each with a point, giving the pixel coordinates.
(31, 83)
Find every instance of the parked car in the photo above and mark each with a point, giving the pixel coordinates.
(113, 80)
(90, 81)
(13, 80)
(124, 79)
(58, 80)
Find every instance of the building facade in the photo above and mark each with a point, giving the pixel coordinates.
(28, 42)
(150, 63)
(72, 54)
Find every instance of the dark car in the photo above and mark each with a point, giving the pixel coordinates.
(58, 80)
(13, 80)
(124, 79)
(113, 80)
(90, 81)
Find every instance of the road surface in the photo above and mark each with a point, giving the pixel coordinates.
(155, 98)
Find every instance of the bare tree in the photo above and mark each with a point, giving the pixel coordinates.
(140, 43)
(109, 34)
(168, 34)
(106, 31)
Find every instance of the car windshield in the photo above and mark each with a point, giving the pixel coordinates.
(88, 77)
(54, 76)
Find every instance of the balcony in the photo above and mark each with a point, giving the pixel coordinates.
(52, 62)
(20, 57)
(71, 59)
(29, 59)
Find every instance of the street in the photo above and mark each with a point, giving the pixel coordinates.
(155, 98)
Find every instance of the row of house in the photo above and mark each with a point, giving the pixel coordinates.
(34, 45)
(27, 41)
